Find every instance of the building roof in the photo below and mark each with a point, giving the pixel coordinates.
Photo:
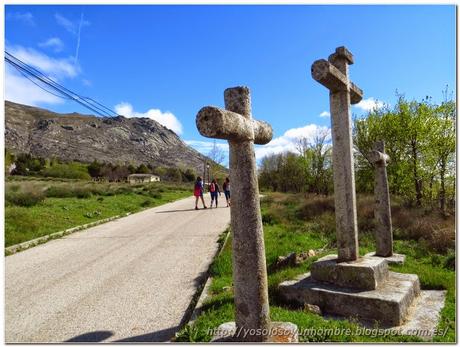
(142, 175)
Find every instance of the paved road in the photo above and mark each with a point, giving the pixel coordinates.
(127, 280)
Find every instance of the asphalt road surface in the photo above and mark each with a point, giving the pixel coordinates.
(128, 280)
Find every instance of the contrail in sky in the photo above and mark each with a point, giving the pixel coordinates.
(78, 39)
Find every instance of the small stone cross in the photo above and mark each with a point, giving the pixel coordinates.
(333, 74)
(382, 211)
(236, 125)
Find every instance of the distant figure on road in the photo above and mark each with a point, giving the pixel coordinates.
(214, 189)
(198, 192)
(226, 188)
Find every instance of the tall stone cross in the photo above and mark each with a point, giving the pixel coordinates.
(333, 74)
(382, 212)
(236, 125)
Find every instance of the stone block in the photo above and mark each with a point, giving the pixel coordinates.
(424, 315)
(394, 259)
(280, 332)
(364, 273)
(387, 304)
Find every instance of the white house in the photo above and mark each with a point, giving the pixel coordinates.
(142, 178)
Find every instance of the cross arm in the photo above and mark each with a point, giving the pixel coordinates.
(333, 79)
(378, 158)
(223, 124)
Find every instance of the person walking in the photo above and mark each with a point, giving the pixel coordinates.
(214, 190)
(226, 188)
(198, 192)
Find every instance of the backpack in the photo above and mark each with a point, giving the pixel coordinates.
(212, 188)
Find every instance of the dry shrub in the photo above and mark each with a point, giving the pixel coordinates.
(278, 197)
(442, 240)
(315, 206)
(365, 206)
(275, 214)
(432, 228)
(26, 196)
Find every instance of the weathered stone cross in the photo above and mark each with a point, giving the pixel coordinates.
(236, 125)
(382, 212)
(333, 74)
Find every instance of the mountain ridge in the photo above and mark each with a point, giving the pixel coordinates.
(85, 138)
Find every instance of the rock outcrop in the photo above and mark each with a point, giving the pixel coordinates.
(84, 138)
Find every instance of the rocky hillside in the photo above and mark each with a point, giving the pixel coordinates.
(85, 138)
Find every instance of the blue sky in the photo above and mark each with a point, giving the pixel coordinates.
(166, 62)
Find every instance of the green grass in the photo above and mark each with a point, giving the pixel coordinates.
(284, 232)
(88, 202)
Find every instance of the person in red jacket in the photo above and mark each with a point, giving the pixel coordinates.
(198, 192)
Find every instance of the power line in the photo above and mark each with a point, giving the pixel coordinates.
(38, 85)
(44, 79)
(38, 75)
(37, 78)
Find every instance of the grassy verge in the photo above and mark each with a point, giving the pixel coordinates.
(291, 226)
(39, 208)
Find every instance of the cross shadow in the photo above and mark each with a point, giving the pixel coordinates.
(174, 211)
(95, 336)
(163, 335)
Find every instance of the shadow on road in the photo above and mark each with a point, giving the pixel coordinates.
(164, 335)
(190, 209)
(173, 211)
(95, 336)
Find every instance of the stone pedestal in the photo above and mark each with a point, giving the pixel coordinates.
(394, 259)
(364, 289)
(364, 273)
(279, 332)
(388, 303)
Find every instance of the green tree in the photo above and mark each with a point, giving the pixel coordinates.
(420, 140)
(173, 174)
(316, 160)
(189, 175)
(142, 169)
(95, 169)
(443, 145)
(9, 161)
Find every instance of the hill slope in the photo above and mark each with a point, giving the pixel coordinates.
(43, 133)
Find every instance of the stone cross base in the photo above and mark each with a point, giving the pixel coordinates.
(364, 273)
(394, 259)
(388, 304)
(279, 332)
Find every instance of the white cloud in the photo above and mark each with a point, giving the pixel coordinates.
(54, 67)
(21, 90)
(69, 25)
(25, 17)
(167, 119)
(325, 114)
(288, 141)
(284, 143)
(65, 23)
(369, 104)
(54, 43)
(125, 109)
